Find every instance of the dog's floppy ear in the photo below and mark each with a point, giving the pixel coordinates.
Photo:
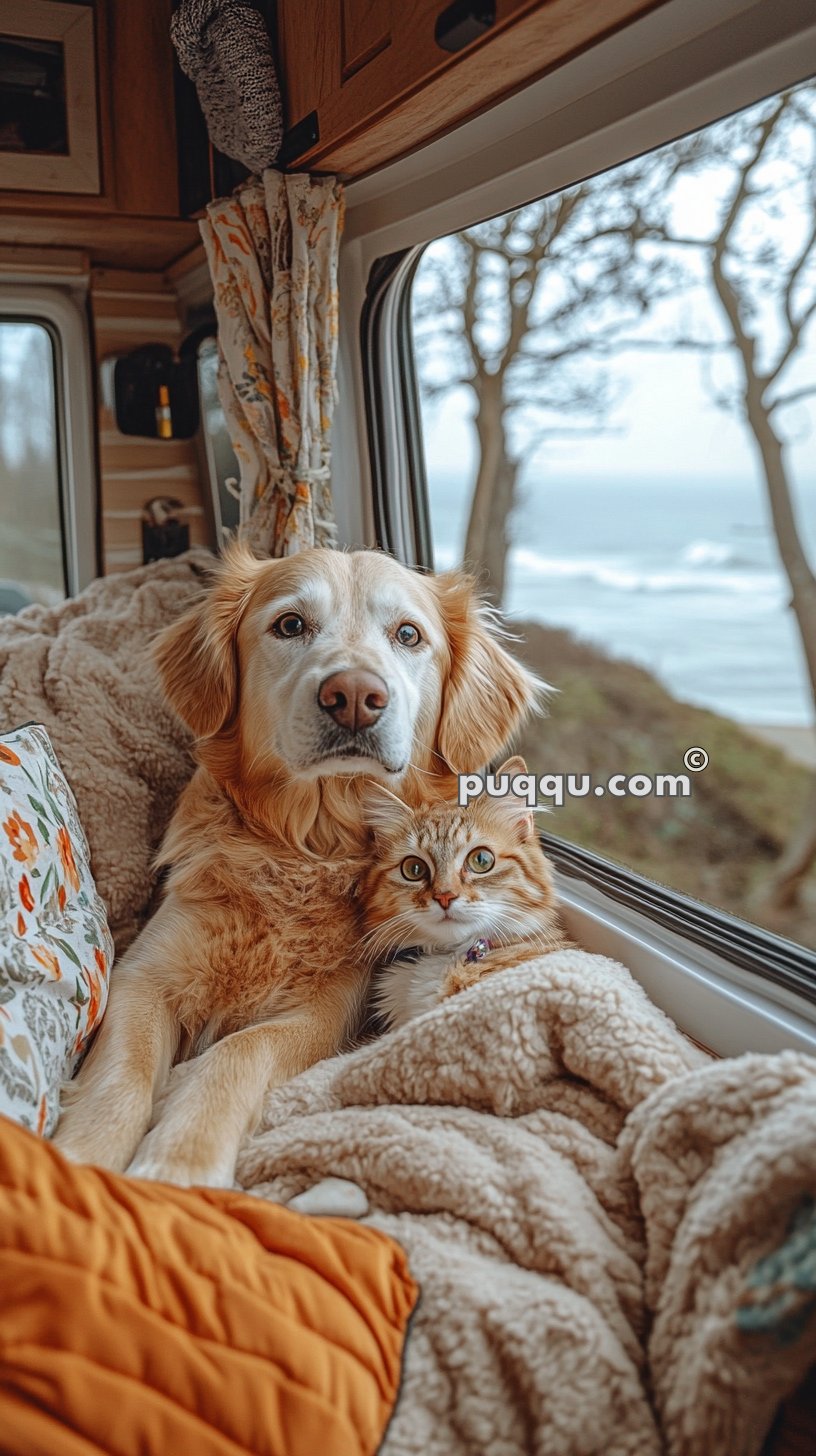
(488, 693)
(197, 655)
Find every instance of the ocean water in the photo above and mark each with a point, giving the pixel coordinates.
(682, 577)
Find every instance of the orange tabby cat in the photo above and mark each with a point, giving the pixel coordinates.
(471, 890)
(469, 887)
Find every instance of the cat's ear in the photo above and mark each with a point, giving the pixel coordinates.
(384, 812)
(515, 805)
(512, 766)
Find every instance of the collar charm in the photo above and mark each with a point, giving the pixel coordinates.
(478, 950)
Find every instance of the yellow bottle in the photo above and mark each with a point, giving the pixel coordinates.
(164, 419)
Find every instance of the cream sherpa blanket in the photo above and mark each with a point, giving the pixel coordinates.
(84, 670)
(587, 1201)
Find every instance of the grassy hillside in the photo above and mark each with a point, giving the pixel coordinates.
(720, 844)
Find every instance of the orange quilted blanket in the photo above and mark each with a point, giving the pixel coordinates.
(136, 1317)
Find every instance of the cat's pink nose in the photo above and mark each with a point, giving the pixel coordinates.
(445, 898)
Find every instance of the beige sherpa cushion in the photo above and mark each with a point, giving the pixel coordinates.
(84, 670)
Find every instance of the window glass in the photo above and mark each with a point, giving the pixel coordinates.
(222, 465)
(32, 567)
(618, 402)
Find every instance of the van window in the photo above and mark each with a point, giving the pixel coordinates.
(32, 556)
(618, 389)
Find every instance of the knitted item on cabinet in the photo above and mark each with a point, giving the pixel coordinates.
(224, 47)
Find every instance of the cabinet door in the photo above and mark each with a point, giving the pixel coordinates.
(308, 55)
(365, 30)
(365, 81)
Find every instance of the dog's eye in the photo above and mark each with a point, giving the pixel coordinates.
(289, 625)
(414, 870)
(480, 861)
(408, 635)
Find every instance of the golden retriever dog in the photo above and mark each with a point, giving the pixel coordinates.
(300, 678)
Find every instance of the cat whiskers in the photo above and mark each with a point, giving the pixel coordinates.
(389, 936)
(508, 928)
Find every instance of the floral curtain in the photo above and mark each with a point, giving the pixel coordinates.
(272, 250)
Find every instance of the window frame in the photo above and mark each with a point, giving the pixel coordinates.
(789, 965)
(704, 82)
(400, 502)
(725, 1005)
(203, 333)
(63, 317)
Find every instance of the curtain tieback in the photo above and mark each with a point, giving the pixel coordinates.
(287, 478)
(294, 509)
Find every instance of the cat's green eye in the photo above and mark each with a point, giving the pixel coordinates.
(480, 861)
(414, 870)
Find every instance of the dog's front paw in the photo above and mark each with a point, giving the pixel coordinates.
(72, 1149)
(102, 1147)
(168, 1165)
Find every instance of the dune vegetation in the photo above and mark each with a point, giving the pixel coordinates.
(720, 844)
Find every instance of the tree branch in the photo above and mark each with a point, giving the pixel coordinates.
(798, 394)
(725, 290)
(603, 348)
(795, 326)
(469, 313)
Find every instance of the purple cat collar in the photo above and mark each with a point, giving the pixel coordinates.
(478, 950)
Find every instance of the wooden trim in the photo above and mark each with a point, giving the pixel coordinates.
(114, 281)
(188, 263)
(40, 262)
(190, 280)
(110, 240)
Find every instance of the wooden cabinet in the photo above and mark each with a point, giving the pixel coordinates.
(134, 220)
(366, 81)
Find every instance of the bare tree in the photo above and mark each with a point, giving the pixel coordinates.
(759, 259)
(524, 311)
(514, 310)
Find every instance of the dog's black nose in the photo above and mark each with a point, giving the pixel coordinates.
(353, 698)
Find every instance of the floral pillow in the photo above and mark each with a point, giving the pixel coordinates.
(55, 946)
